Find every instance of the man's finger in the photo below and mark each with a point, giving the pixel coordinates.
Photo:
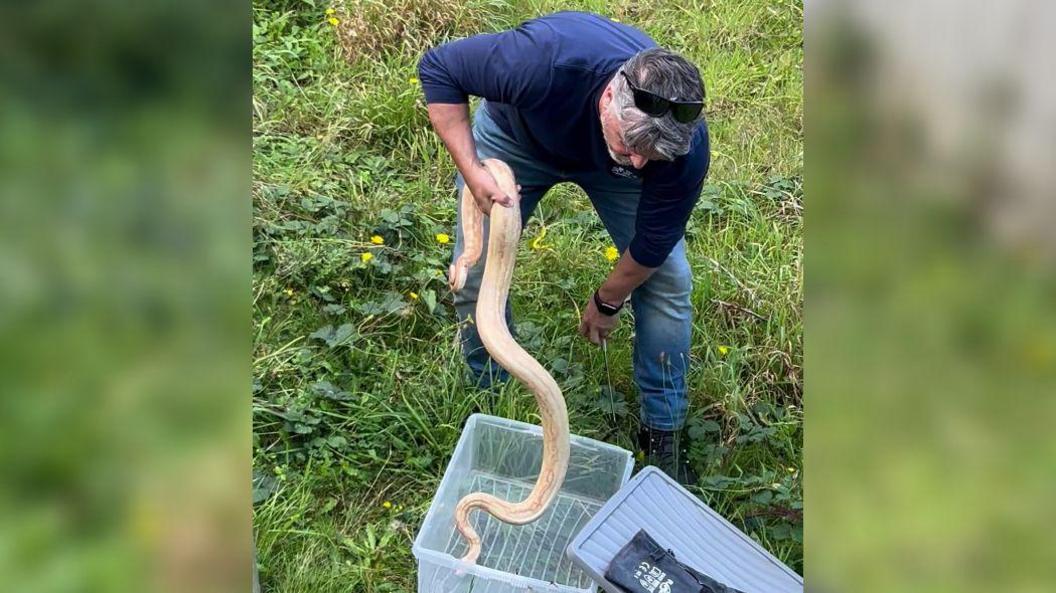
(594, 338)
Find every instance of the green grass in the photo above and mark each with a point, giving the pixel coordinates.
(358, 390)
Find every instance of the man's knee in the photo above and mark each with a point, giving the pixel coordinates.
(671, 284)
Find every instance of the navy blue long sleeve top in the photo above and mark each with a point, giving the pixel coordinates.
(542, 82)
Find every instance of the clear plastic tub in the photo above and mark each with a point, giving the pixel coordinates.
(502, 457)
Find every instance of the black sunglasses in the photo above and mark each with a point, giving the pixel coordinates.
(656, 106)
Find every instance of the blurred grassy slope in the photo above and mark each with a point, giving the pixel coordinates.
(124, 297)
(932, 332)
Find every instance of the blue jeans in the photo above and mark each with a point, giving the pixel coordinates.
(662, 310)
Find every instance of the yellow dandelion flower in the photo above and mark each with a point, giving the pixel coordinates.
(412, 80)
(377, 240)
(330, 12)
(611, 253)
(537, 242)
(333, 21)
(443, 238)
(387, 504)
(366, 256)
(413, 295)
(289, 292)
(724, 350)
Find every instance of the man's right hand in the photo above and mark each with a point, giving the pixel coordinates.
(485, 189)
(451, 122)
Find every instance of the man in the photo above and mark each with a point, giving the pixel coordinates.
(577, 97)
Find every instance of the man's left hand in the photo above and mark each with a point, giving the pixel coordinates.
(595, 326)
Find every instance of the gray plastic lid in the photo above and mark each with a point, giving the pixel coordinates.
(678, 520)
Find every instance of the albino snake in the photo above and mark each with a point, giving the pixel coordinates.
(491, 325)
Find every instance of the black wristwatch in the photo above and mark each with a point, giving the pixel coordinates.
(605, 308)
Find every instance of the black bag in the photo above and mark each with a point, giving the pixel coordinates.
(642, 566)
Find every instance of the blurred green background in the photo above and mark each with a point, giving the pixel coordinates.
(930, 328)
(124, 296)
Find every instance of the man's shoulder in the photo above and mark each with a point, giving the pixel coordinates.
(582, 26)
(565, 18)
(697, 161)
(585, 40)
(689, 169)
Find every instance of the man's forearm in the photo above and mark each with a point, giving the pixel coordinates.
(451, 122)
(624, 278)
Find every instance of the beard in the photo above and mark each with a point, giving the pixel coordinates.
(620, 160)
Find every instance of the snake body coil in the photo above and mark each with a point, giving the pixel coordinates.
(491, 325)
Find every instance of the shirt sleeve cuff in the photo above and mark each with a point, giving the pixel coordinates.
(647, 256)
(443, 94)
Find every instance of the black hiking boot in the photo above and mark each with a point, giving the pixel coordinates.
(668, 450)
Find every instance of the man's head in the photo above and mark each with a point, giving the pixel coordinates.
(633, 137)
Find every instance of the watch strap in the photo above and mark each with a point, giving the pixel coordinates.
(605, 308)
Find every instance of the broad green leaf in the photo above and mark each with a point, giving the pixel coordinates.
(328, 390)
(429, 297)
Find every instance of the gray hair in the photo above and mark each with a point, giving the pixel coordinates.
(667, 74)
